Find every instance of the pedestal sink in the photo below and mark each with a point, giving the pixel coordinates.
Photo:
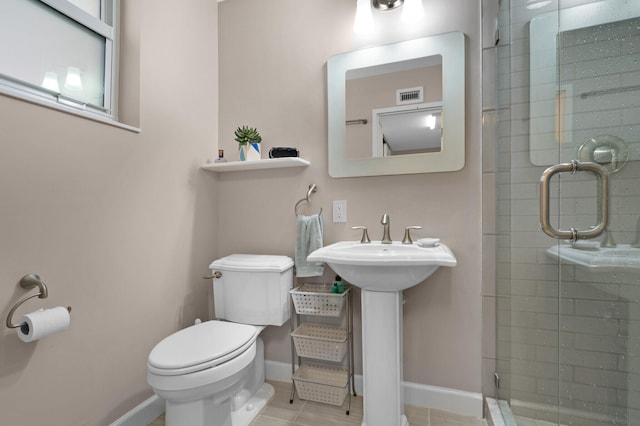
(382, 271)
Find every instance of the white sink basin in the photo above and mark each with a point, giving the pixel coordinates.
(590, 254)
(384, 267)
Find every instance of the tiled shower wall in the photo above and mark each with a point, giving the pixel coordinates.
(567, 337)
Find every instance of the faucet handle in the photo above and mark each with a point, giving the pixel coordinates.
(365, 236)
(407, 236)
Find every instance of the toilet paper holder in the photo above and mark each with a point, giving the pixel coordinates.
(28, 282)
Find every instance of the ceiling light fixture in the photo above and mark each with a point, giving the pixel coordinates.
(387, 4)
(363, 23)
(412, 11)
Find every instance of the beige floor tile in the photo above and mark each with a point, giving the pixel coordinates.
(315, 414)
(283, 389)
(417, 416)
(443, 418)
(354, 406)
(280, 407)
(282, 410)
(159, 421)
(270, 421)
(279, 412)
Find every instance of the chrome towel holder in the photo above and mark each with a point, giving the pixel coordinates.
(28, 282)
(312, 188)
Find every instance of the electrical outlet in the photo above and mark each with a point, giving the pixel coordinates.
(339, 210)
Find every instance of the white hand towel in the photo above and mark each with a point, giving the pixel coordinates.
(308, 239)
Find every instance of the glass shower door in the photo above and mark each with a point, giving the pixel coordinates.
(568, 319)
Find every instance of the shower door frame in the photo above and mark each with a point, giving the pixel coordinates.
(554, 319)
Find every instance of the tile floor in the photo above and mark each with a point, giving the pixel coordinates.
(279, 412)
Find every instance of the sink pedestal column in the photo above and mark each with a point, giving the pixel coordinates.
(382, 359)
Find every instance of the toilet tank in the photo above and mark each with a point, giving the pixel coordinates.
(252, 289)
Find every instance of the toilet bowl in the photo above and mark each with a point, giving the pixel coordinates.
(200, 369)
(213, 373)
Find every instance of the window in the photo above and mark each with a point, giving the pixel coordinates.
(60, 53)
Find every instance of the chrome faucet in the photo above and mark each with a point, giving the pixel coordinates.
(385, 221)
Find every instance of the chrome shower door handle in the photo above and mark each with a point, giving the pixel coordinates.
(573, 167)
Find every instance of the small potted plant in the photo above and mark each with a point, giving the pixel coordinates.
(249, 140)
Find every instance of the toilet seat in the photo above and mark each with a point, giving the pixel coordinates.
(200, 347)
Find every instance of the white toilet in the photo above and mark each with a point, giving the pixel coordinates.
(212, 373)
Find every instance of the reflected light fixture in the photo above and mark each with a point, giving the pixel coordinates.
(431, 121)
(363, 23)
(73, 80)
(50, 81)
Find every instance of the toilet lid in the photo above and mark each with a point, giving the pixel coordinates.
(253, 263)
(201, 346)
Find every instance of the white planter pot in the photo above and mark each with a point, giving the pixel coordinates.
(250, 152)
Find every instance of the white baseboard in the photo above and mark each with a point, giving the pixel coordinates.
(455, 401)
(142, 414)
(451, 400)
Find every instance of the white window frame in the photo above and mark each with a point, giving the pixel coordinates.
(105, 26)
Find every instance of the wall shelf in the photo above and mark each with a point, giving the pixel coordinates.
(270, 163)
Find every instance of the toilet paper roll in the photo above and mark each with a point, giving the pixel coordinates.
(42, 323)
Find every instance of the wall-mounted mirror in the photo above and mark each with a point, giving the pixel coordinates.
(398, 108)
(586, 88)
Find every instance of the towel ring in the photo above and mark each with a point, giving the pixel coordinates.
(312, 188)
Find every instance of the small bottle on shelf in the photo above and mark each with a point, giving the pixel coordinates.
(220, 158)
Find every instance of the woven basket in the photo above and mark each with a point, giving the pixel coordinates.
(317, 299)
(320, 342)
(321, 383)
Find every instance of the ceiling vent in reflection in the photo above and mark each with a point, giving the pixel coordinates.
(412, 95)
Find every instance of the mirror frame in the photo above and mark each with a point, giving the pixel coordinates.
(451, 46)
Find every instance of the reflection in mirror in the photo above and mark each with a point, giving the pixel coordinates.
(403, 100)
(586, 87)
(609, 151)
(392, 111)
(413, 131)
